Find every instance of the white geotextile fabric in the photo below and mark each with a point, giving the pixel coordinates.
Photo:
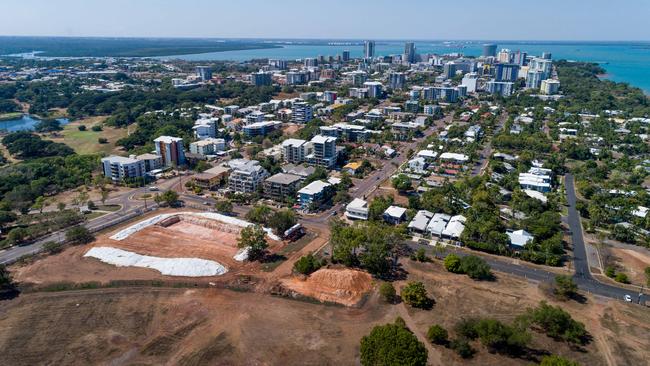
(242, 254)
(125, 233)
(186, 267)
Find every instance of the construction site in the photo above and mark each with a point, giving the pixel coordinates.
(174, 288)
(184, 244)
(201, 247)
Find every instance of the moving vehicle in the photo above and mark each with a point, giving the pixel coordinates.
(153, 188)
(627, 298)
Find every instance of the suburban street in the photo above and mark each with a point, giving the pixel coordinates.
(129, 207)
(582, 277)
(132, 207)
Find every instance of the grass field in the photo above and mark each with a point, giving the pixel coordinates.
(86, 142)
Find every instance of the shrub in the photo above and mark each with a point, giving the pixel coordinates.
(102, 140)
(415, 294)
(475, 267)
(420, 255)
(622, 278)
(501, 337)
(557, 323)
(554, 360)
(52, 247)
(467, 328)
(307, 264)
(79, 235)
(437, 334)
(452, 263)
(96, 128)
(392, 344)
(610, 271)
(387, 292)
(564, 287)
(462, 348)
(81, 128)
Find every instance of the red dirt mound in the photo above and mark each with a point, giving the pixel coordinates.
(343, 286)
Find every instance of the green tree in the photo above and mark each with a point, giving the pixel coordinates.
(259, 214)
(565, 287)
(307, 264)
(475, 267)
(169, 198)
(622, 278)
(79, 235)
(387, 292)
(17, 235)
(377, 207)
(554, 360)
(647, 275)
(392, 344)
(452, 263)
(254, 238)
(40, 204)
(282, 221)
(415, 294)
(438, 335)
(346, 182)
(420, 255)
(223, 206)
(6, 281)
(7, 217)
(500, 337)
(556, 323)
(52, 247)
(402, 183)
(462, 347)
(103, 195)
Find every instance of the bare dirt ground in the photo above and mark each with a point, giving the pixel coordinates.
(343, 286)
(291, 129)
(180, 240)
(633, 262)
(386, 189)
(618, 329)
(181, 327)
(216, 326)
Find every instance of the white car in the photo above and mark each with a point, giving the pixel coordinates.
(628, 298)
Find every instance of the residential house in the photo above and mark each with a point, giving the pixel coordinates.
(357, 210)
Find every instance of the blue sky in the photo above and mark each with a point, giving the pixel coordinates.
(352, 19)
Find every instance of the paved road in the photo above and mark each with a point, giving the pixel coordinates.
(365, 187)
(487, 149)
(582, 276)
(129, 206)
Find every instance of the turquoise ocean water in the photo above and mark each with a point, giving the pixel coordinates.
(624, 61)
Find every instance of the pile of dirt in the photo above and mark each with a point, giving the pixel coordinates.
(343, 286)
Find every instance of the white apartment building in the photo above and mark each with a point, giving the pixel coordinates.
(208, 146)
(295, 151)
(246, 175)
(119, 168)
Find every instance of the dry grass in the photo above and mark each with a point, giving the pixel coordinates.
(86, 142)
